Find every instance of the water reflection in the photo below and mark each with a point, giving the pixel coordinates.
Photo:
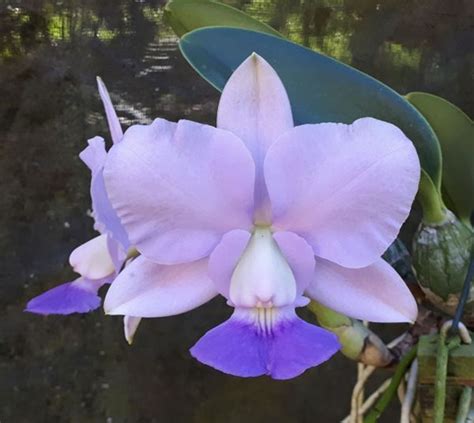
(79, 369)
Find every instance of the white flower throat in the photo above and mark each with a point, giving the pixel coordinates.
(262, 278)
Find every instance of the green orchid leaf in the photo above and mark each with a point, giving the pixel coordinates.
(186, 15)
(321, 89)
(455, 131)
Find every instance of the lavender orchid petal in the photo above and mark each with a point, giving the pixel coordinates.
(254, 105)
(105, 216)
(92, 259)
(79, 296)
(106, 219)
(375, 293)
(279, 344)
(117, 253)
(94, 154)
(225, 257)
(112, 119)
(349, 190)
(300, 257)
(178, 188)
(147, 289)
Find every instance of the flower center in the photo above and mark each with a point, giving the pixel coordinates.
(262, 278)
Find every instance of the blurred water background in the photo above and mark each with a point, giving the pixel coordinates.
(79, 368)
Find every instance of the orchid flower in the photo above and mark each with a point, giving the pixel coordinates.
(267, 215)
(99, 260)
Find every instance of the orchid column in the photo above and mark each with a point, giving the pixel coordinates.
(265, 214)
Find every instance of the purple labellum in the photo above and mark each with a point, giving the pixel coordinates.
(251, 343)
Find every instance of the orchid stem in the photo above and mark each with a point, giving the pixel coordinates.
(442, 356)
(465, 292)
(388, 395)
(434, 210)
(464, 404)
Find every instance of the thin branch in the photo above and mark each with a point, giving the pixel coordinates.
(362, 378)
(388, 395)
(407, 403)
(370, 400)
(360, 396)
(401, 391)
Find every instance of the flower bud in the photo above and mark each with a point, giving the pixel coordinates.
(441, 257)
(358, 342)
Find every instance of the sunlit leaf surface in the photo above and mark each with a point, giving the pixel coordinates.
(187, 15)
